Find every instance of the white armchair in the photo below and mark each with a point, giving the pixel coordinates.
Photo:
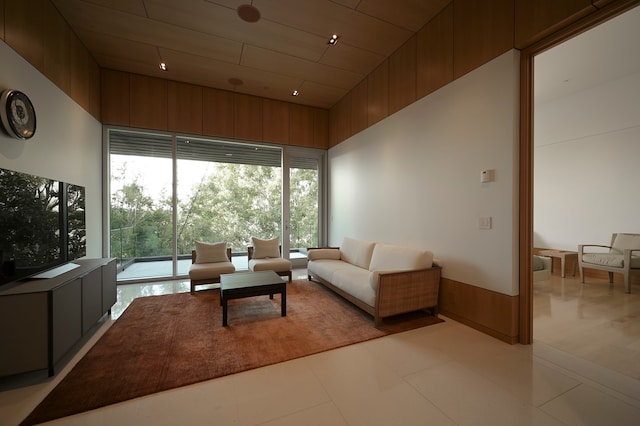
(622, 256)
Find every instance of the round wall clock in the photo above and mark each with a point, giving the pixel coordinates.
(17, 114)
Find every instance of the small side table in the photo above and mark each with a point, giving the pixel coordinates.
(562, 255)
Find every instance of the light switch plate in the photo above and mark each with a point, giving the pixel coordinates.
(484, 222)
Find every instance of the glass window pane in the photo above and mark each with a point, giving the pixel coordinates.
(227, 192)
(141, 231)
(303, 201)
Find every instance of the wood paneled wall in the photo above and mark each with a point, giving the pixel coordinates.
(37, 32)
(134, 100)
(463, 36)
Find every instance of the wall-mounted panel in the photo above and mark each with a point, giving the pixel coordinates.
(185, 107)
(57, 48)
(116, 98)
(275, 121)
(535, 20)
(218, 113)
(301, 122)
(248, 117)
(435, 53)
(24, 29)
(402, 76)
(359, 107)
(148, 102)
(95, 89)
(378, 94)
(1, 19)
(79, 76)
(340, 120)
(320, 128)
(482, 32)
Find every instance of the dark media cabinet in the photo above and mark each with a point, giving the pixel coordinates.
(42, 320)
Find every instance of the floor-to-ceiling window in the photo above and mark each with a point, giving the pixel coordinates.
(167, 191)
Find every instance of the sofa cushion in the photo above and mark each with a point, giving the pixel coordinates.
(355, 281)
(270, 264)
(609, 259)
(317, 254)
(265, 248)
(356, 252)
(211, 252)
(207, 271)
(625, 241)
(390, 257)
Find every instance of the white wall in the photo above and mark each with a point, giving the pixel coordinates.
(67, 144)
(587, 165)
(414, 178)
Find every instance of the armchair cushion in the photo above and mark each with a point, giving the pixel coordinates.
(265, 248)
(211, 252)
(625, 241)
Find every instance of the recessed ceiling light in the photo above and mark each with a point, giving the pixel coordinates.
(163, 66)
(295, 93)
(248, 13)
(333, 40)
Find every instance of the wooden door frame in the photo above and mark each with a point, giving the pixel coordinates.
(525, 326)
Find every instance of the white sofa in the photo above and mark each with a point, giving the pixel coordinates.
(381, 279)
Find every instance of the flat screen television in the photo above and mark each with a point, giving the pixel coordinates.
(42, 224)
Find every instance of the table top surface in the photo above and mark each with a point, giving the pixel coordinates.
(249, 279)
(556, 252)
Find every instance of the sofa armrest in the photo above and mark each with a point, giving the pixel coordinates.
(407, 291)
(323, 253)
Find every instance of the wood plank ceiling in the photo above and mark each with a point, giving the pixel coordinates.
(205, 42)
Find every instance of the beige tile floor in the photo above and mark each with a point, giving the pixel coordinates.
(446, 374)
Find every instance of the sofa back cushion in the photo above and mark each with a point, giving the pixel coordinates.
(263, 249)
(356, 252)
(390, 257)
(211, 252)
(625, 241)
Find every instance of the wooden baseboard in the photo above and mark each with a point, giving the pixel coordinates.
(493, 313)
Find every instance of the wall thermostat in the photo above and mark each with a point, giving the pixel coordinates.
(486, 176)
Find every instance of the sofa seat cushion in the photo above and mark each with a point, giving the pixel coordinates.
(269, 264)
(356, 252)
(611, 260)
(324, 268)
(347, 277)
(355, 281)
(205, 271)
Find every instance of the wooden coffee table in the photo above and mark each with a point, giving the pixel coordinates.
(248, 284)
(563, 255)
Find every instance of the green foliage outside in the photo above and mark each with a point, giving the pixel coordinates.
(232, 204)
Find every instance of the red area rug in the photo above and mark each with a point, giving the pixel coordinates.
(163, 342)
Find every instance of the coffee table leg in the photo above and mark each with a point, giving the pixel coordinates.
(284, 303)
(224, 312)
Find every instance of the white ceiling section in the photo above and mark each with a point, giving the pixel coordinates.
(605, 53)
(205, 42)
